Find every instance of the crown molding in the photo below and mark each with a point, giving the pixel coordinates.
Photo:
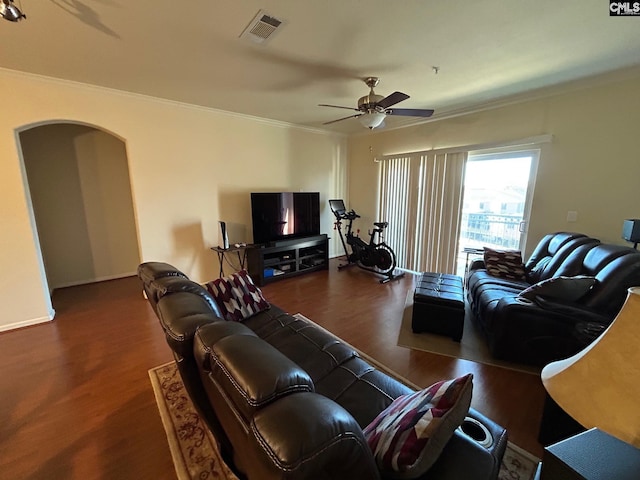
(174, 103)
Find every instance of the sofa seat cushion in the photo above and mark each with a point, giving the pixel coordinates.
(254, 374)
(237, 296)
(487, 292)
(336, 369)
(488, 299)
(480, 278)
(268, 320)
(408, 436)
(314, 349)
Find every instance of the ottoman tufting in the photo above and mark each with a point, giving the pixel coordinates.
(438, 305)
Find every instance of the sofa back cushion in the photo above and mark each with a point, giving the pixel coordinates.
(600, 256)
(615, 268)
(573, 264)
(180, 314)
(254, 374)
(549, 245)
(307, 436)
(613, 281)
(160, 279)
(149, 271)
(544, 263)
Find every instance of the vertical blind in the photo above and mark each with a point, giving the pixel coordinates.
(420, 195)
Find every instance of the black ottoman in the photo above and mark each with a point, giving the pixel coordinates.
(438, 305)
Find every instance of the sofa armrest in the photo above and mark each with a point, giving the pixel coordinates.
(476, 264)
(464, 457)
(308, 436)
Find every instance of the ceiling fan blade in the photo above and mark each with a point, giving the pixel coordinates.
(395, 97)
(340, 119)
(337, 106)
(409, 112)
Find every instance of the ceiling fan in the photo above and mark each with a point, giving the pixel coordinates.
(372, 109)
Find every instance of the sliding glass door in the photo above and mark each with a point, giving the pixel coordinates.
(498, 187)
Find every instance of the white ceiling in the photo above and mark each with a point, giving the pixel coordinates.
(191, 52)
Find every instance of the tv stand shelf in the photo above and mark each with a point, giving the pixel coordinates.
(290, 257)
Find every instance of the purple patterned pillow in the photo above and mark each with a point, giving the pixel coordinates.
(504, 263)
(407, 437)
(237, 296)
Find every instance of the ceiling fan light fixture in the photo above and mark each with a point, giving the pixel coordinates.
(371, 120)
(10, 12)
(374, 108)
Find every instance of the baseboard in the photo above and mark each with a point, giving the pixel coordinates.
(96, 280)
(25, 323)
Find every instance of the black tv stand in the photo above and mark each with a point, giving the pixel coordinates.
(287, 258)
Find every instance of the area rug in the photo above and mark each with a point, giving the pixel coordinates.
(195, 451)
(193, 448)
(472, 347)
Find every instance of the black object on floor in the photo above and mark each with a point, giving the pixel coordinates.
(438, 305)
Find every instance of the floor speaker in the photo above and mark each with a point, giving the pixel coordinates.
(631, 230)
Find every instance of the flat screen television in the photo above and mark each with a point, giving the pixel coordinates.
(284, 215)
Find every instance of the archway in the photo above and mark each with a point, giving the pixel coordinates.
(78, 181)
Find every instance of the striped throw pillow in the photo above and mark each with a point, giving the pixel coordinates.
(408, 436)
(504, 263)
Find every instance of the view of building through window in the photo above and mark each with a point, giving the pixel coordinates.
(495, 194)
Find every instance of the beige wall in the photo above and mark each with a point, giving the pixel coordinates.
(591, 166)
(81, 195)
(189, 167)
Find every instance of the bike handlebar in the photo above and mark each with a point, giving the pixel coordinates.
(350, 215)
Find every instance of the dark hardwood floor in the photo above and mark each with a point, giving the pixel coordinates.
(77, 403)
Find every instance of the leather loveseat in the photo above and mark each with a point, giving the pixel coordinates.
(285, 398)
(540, 317)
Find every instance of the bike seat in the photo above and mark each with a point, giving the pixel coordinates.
(381, 224)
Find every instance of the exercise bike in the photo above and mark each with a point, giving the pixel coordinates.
(377, 257)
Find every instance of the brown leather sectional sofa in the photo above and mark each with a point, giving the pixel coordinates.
(538, 329)
(298, 412)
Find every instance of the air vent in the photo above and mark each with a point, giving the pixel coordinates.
(261, 28)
